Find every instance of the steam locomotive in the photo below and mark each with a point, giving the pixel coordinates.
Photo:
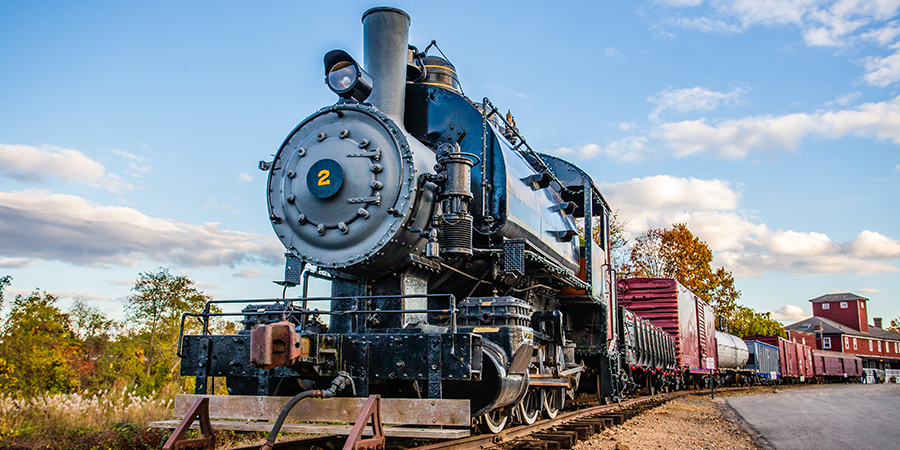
(453, 250)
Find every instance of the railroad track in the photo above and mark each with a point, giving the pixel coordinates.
(559, 433)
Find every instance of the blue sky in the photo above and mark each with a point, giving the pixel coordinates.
(130, 132)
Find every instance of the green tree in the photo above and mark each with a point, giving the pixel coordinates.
(747, 322)
(4, 283)
(154, 310)
(39, 349)
(677, 253)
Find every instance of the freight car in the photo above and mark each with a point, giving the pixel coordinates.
(763, 361)
(648, 353)
(702, 351)
(836, 366)
(732, 354)
(793, 366)
(676, 310)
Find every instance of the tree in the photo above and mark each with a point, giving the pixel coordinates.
(618, 240)
(39, 349)
(95, 332)
(894, 326)
(677, 253)
(155, 310)
(4, 283)
(650, 257)
(747, 322)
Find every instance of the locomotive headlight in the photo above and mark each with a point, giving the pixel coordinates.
(345, 77)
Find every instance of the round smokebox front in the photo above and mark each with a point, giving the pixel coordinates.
(338, 187)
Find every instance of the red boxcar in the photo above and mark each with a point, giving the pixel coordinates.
(669, 305)
(807, 358)
(836, 364)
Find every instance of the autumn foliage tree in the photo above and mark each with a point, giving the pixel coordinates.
(894, 326)
(677, 253)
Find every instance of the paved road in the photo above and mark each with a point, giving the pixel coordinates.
(823, 417)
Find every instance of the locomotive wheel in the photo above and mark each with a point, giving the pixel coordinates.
(530, 407)
(493, 422)
(552, 398)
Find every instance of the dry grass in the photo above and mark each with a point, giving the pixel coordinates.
(52, 415)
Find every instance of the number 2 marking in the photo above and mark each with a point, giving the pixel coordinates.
(323, 177)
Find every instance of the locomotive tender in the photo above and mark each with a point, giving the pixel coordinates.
(452, 249)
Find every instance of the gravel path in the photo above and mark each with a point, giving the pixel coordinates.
(683, 423)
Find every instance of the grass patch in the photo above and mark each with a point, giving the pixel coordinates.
(111, 420)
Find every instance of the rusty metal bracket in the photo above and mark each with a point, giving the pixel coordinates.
(199, 411)
(370, 411)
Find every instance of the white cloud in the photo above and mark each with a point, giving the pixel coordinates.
(249, 273)
(213, 204)
(31, 164)
(611, 51)
(872, 245)
(244, 176)
(748, 248)
(664, 192)
(133, 161)
(630, 149)
(693, 99)
(682, 2)
(17, 263)
(37, 224)
(821, 23)
(79, 295)
(202, 285)
(847, 98)
(626, 126)
(794, 243)
(883, 71)
(884, 35)
(871, 291)
(790, 313)
(735, 139)
(705, 25)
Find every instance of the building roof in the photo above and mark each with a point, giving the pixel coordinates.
(828, 327)
(842, 297)
(882, 333)
(831, 327)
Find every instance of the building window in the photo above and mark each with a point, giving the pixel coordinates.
(804, 340)
(896, 347)
(870, 346)
(843, 305)
(862, 305)
(826, 343)
(879, 346)
(846, 342)
(825, 306)
(854, 344)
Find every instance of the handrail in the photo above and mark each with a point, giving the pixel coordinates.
(453, 311)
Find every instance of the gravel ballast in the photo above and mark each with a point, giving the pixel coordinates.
(683, 423)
